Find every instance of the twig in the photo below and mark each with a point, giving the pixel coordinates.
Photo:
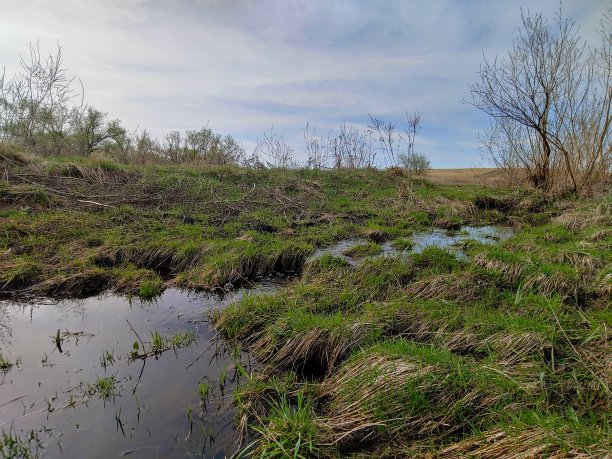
(137, 336)
(85, 201)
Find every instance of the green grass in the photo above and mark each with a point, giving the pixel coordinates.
(103, 387)
(427, 352)
(389, 356)
(289, 430)
(363, 250)
(403, 244)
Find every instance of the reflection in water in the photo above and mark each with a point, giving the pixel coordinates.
(437, 237)
(156, 411)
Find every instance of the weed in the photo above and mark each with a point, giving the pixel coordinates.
(13, 446)
(158, 343)
(103, 387)
(106, 359)
(182, 340)
(203, 390)
(288, 430)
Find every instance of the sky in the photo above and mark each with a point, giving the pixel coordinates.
(244, 66)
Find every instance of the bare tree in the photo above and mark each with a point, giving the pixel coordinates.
(276, 151)
(37, 100)
(548, 103)
(386, 137)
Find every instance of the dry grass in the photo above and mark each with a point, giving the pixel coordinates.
(398, 397)
(534, 443)
(471, 176)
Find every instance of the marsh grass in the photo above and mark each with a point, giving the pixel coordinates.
(501, 353)
(288, 430)
(187, 226)
(363, 250)
(104, 388)
(13, 446)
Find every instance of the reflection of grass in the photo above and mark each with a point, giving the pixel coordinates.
(203, 390)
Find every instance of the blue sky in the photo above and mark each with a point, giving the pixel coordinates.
(244, 66)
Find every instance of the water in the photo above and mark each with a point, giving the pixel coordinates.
(450, 240)
(45, 392)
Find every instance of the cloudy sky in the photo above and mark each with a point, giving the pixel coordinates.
(243, 66)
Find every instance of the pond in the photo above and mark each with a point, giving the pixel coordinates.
(450, 240)
(154, 410)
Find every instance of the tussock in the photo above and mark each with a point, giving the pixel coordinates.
(599, 235)
(533, 443)
(494, 203)
(79, 285)
(511, 271)
(577, 221)
(514, 348)
(459, 287)
(393, 397)
(376, 235)
(11, 153)
(315, 351)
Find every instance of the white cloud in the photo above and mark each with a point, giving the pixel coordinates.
(248, 65)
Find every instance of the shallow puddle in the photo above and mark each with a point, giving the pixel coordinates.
(156, 411)
(437, 237)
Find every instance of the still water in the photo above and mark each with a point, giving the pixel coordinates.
(156, 411)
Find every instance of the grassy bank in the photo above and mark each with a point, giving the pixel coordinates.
(76, 227)
(503, 351)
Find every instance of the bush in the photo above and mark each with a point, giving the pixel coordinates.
(415, 163)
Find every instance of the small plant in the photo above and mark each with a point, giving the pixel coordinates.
(203, 390)
(135, 351)
(149, 290)
(106, 359)
(5, 364)
(12, 446)
(223, 377)
(182, 340)
(158, 343)
(290, 430)
(104, 388)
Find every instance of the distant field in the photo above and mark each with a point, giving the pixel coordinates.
(488, 176)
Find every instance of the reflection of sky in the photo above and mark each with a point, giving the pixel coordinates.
(248, 65)
(155, 393)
